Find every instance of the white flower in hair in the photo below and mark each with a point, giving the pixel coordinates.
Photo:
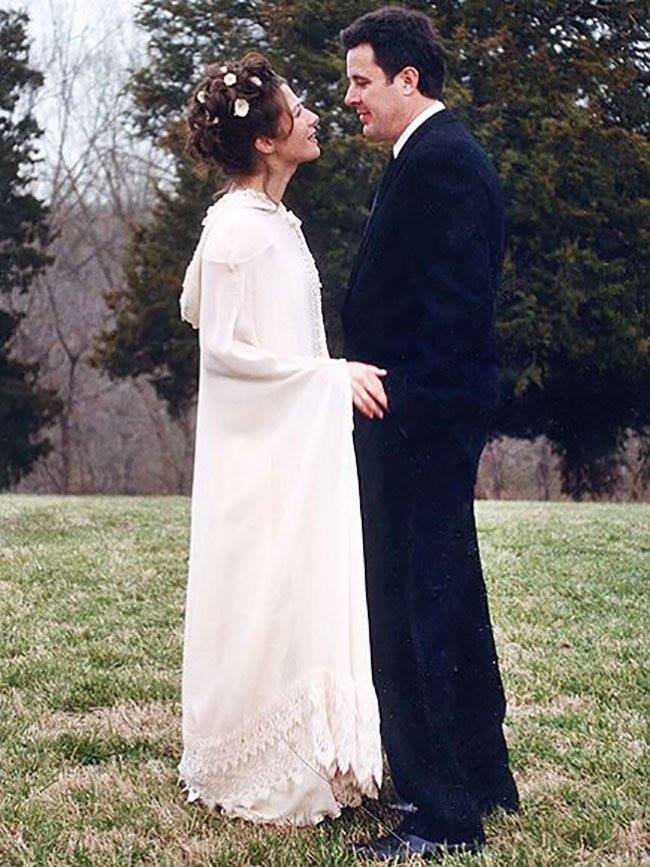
(223, 69)
(215, 120)
(241, 107)
(256, 80)
(229, 79)
(201, 96)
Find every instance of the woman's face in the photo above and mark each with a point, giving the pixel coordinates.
(301, 145)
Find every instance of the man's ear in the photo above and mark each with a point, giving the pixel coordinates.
(408, 79)
(264, 145)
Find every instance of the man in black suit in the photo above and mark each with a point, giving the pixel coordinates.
(420, 304)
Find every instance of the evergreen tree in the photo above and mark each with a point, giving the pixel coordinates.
(25, 408)
(555, 93)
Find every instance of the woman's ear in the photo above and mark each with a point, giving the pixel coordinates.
(264, 145)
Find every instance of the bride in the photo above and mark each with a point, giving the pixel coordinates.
(280, 719)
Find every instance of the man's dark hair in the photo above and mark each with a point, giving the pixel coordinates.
(401, 37)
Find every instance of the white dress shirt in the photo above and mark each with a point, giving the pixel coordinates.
(417, 121)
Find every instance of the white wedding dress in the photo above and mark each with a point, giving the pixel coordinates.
(280, 718)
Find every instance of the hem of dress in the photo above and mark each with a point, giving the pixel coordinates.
(231, 811)
(321, 725)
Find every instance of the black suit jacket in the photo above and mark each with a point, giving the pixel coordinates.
(421, 295)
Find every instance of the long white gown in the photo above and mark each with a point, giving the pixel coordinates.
(280, 718)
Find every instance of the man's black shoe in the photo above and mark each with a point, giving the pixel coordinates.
(404, 846)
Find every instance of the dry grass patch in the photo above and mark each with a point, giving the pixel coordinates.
(107, 782)
(562, 704)
(14, 702)
(158, 721)
(633, 842)
(541, 780)
(82, 778)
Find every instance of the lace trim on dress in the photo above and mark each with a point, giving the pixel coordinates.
(260, 199)
(315, 300)
(256, 197)
(319, 342)
(323, 725)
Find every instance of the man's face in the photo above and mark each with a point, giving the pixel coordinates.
(376, 100)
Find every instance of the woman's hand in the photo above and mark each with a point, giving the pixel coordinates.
(367, 389)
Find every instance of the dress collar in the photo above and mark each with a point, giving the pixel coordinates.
(252, 198)
(249, 198)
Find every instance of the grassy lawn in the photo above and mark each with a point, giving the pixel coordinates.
(91, 606)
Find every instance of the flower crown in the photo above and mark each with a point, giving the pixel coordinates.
(240, 104)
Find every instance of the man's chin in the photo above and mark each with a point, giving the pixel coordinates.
(371, 133)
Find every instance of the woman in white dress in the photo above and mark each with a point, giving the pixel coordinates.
(280, 719)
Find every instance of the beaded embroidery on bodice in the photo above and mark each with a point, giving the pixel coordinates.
(313, 277)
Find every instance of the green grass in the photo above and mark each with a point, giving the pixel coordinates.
(91, 608)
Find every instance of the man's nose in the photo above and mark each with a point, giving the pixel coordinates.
(350, 97)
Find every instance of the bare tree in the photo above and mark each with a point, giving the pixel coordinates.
(99, 180)
(544, 469)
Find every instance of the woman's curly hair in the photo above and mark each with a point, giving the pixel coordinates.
(232, 106)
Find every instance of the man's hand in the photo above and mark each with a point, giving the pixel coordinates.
(367, 389)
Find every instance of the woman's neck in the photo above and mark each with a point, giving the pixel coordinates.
(273, 185)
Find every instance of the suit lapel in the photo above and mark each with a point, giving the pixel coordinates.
(388, 181)
(389, 171)
(382, 187)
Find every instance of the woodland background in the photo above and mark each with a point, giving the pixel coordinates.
(100, 211)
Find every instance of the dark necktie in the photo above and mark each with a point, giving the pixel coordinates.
(384, 182)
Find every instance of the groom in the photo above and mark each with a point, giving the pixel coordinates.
(420, 303)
